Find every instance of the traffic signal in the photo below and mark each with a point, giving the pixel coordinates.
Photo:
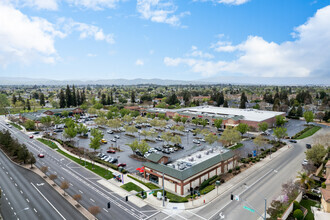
(191, 191)
(142, 193)
(164, 193)
(109, 205)
(126, 198)
(231, 196)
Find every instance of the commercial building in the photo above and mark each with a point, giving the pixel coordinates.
(189, 172)
(230, 116)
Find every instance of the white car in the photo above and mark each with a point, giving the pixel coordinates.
(196, 141)
(117, 136)
(159, 139)
(171, 150)
(109, 131)
(114, 140)
(305, 162)
(201, 140)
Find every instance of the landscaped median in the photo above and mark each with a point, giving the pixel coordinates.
(92, 167)
(133, 187)
(308, 131)
(16, 126)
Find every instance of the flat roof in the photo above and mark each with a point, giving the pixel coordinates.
(235, 113)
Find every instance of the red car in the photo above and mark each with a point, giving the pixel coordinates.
(121, 165)
(31, 136)
(111, 151)
(41, 155)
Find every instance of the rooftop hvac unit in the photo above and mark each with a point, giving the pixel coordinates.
(206, 152)
(199, 156)
(221, 151)
(173, 166)
(191, 159)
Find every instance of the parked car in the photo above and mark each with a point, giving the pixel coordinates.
(103, 141)
(31, 136)
(7, 123)
(121, 165)
(146, 155)
(41, 155)
(159, 139)
(110, 151)
(293, 141)
(114, 140)
(113, 160)
(85, 135)
(308, 146)
(9, 126)
(105, 158)
(166, 151)
(109, 131)
(158, 148)
(316, 190)
(36, 132)
(117, 136)
(201, 140)
(171, 149)
(305, 162)
(58, 130)
(195, 141)
(138, 153)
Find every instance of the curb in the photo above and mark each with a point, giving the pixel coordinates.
(68, 198)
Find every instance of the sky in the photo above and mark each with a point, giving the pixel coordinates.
(166, 39)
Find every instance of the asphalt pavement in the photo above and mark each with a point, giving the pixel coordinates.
(82, 182)
(25, 195)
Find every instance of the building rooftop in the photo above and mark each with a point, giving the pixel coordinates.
(235, 113)
(184, 168)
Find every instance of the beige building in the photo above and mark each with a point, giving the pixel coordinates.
(188, 173)
(325, 200)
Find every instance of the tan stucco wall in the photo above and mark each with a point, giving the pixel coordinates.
(325, 205)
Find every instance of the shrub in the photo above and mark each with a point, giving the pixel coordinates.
(207, 189)
(237, 168)
(298, 214)
(230, 171)
(296, 205)
(323, 185)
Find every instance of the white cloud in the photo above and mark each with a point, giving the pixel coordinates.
(94, 4)
(85, 30)
(233, 2)
(227, 2)
(307, 55)
(39, 4)
(198, 53)
(91, 55)
(24, 39)
(160, 11)
(139, 62)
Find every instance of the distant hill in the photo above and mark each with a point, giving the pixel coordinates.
(139, 81)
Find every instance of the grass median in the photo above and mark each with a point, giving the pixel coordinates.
(133, 187)
(94, 168)
(309, 132)
(16, 126)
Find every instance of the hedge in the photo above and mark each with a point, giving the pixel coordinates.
(207, 189)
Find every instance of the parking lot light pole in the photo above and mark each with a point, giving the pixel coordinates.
(163, 192)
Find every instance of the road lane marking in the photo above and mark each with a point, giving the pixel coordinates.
(80, 191)
(48, 201)
(27, 200)
(105, 210)
(21, 191)
(15, 184)
(92, 200)
(35, 210)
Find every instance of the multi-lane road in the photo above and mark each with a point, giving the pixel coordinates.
(82, 182)
(25, 195)
(263, 183)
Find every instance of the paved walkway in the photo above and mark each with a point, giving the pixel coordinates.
(153, 201)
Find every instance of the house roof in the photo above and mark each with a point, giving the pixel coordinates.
(326, 194)
(189, 172)
(154, 157)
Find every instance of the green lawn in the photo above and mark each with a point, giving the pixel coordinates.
(16, 126)
(94, 168)
(131, 186)
(236, 146)
(309, 132)
(307, 204)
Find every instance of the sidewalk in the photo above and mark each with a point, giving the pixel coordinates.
(153, 201)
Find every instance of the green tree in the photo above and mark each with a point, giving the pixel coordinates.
(70, 132)
(316, 154)
(211, 138)
(127, 118)
(225, 104)
(218, 123)
(114, 123)
(134, 145)
(23, 154)
(65, 114)
(243, 101)
(177, 118)
(46, 121)
(280, 120)
(143, 147)
(230, 136)
(304, 180)
(131, 129)
(309, 116)
(133, 97)
(242, 128)
(145, 133)
(263, 126)
(195, 121)
(259, 142)
(42, 99)
(3, 104)
(96, 139)
(184, 120)
(203, 122)
(176, 139)
(280, 132)
(32, 159)
(166, 136)
(29, 125)
(81, 129)
(68, 97)
(62, 99)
